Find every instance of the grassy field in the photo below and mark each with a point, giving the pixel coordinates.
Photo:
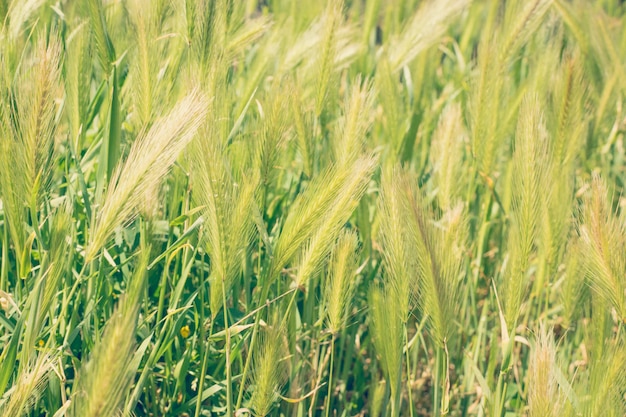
(312, 208)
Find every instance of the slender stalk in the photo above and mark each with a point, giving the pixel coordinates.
(289, 307)
(437, 400)
(321, 361)
(408, 370)
(204, 344)
(229, 387)
(500, 392)
(205, 360)
(255, 330)
(330, 375)
(5, 255)
(445, 406)
(162, 289)
(242, 386)
(253, 339)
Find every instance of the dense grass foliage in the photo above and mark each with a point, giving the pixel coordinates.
(312, 208)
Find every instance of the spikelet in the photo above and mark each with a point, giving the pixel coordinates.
(214, 32)
(395, 121)
(301, 47)
(340, 51)
(567, 129)
(486, 93)
(227, 205)
(439, 247)
(529, 170)
(155, 63)
(302, 121)
(77, 77)
(147, 59)
(19, 13)
(423, 256)
(28, 148)
(103, 44)
(248, 32)
(339, 286)
(521, 21)
(31, 382)
(495, 53)
(102, 383)
(12, 185)
(446, 154)
(603, 395)
(33, 120)
(273, 135)
(399, 256)
(102, 40)
(317, 249)
(572, 291)
(37, 117)
(547, 44)
(327, 202)
(268, 373)
(427, 26)
(557, 219)
(602, 232)
(148, 161)
(356, 122)
(327, 52)
(544, 396)
(569, 117)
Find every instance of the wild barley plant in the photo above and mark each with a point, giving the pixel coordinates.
(573, 284)
(226, 204)
(497, 50)
(148, 161)
(400, 261)
(340, 288)
(545, 398)
(529, 165)
(268, 373)
(601, 230)
(423, 260)
(103, 382)
(447, 156)
(29, 142)
(569, 126)
(21, 398)
(341, 279)
(349, 206)
(316, 218)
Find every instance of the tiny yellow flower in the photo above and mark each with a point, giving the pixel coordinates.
(184, 331)
(41, 343)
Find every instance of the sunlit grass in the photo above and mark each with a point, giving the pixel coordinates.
(294, 208)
